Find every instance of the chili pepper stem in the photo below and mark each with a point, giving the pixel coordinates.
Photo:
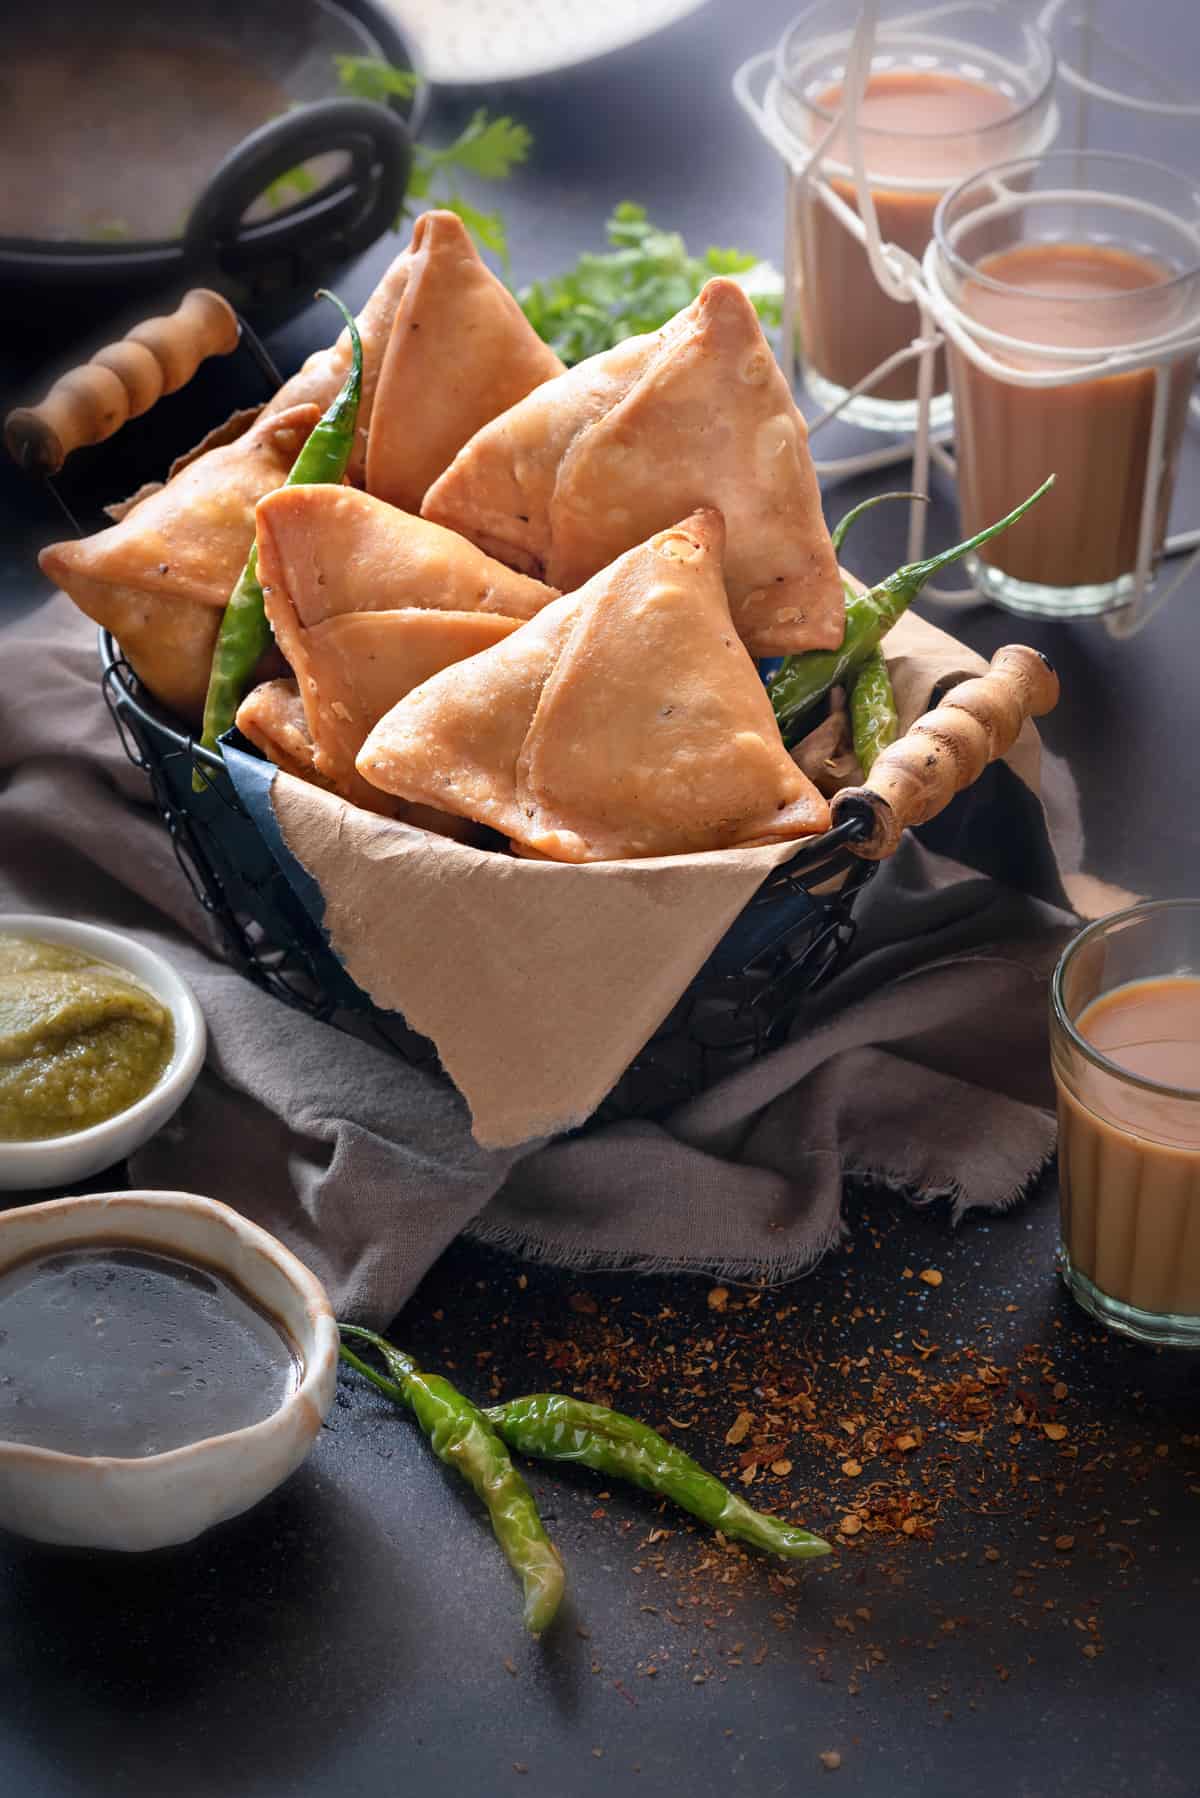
(838, 534)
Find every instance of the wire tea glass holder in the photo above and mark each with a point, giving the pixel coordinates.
(903, 279)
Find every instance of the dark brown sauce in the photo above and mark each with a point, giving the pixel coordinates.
(112, 1350)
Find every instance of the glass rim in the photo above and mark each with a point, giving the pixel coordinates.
(1097, 1057)
(969, 271)
(878, 133)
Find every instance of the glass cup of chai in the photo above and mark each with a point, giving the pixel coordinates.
(1072, 287)
(1125, 1049)
(950, 89)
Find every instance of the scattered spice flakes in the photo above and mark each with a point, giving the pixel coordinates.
(740, 1428)
(830, 1759)
(851, 1469)
(930, 1276)
(1063, 1544)
(509, 1666)
(814, 1399)
(718, 1298)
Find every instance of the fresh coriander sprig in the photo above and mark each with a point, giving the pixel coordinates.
(487, 148)
(645, 279)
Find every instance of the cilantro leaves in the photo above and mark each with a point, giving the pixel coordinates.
(645, 279)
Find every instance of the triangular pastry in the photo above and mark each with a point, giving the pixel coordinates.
(622, 445)
(367, 602)
(160, 579)
(460, 352)
(445, 348)
(272, 718)
(625, 720)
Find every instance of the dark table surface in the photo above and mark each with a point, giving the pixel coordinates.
(358, 1633)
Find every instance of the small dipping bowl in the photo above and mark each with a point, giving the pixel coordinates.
(156, 1500)
(60, 1160)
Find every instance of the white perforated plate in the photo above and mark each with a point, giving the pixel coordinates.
(467, 41)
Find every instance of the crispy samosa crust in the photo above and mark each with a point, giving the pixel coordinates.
(159, 580)
(367, 602)
(272, 718)
(460, 352)
(627, 442)
(625, 720)
(445, 348)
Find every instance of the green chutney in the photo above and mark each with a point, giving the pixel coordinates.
(80, 1040)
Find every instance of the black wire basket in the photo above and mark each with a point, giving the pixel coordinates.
(793, 936)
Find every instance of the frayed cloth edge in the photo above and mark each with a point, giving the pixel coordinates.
(768, 1269)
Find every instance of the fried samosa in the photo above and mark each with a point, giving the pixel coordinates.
(272, 718)
(159, 580)
(624, 444)
(461, 351)
(367, 602)
(445, 349)
(625, 720)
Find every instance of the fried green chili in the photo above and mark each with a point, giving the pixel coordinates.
(245, 634)
(838, 534)
(804, 679)
(551, 1427)
(461, 1436)
(874, 720)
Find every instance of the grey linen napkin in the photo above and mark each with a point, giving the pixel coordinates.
(924, 1063)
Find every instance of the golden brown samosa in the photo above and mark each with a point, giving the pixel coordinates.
(624, 444)
(624, 720)
(445, 348)
(272, 718)
(460, 352)
(366, 602)
(160, 579)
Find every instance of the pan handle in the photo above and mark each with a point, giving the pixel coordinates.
(363, 204)
(918, 775)
(121, 381)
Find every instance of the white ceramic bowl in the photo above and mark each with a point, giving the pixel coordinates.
(106, 1502)
(61, 1160)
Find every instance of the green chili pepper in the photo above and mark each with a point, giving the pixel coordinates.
(838, 534)
(804, 679)
(245, 634)
(874, 720)
(461, 1436)
(550, 1427)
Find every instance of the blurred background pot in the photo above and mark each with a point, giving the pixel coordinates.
(148, 148)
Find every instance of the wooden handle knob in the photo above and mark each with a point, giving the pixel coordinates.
(121, 381)
(948, 748)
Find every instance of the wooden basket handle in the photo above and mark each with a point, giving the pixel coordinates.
(121, 381)
(943, 752)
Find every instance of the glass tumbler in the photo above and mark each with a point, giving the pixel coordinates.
(1125, 1049)
(950, 89)
(1050, 265)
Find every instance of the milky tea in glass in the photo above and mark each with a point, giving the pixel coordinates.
(944, 97)
(1069, 252)
(1125, 1047)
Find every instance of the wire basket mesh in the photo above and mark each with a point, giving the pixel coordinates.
(792, 937)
